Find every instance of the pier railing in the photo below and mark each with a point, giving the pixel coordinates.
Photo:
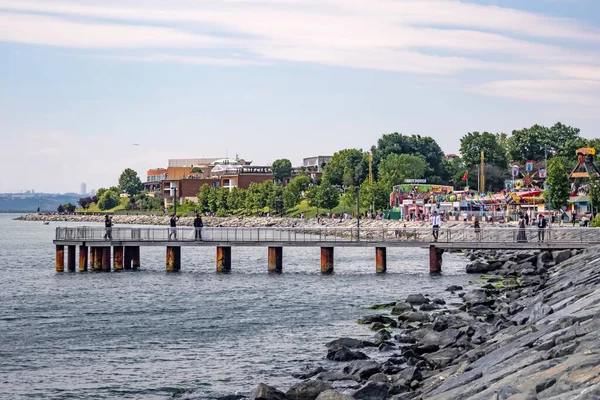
(328, 234)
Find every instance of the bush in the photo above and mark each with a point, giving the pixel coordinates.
(596, 221)
(108, 200)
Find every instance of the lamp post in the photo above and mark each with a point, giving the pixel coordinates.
(358, 212)
(175, 200)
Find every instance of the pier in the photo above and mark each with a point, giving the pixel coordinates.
(119, 249)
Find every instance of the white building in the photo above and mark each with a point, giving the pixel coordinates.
(83, 191)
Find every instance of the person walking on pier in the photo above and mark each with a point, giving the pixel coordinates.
(107, 228)
(173, 229)
(477, 229)
(436, 222)
(198, 226)
(541, 223)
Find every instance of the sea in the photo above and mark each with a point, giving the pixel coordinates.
(195, 334)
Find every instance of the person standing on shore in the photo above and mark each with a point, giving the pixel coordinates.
(541, 223)
(173, 229)
(573, 217)
(477, 229)
(107, 228)
(198, 224)
(436, 222)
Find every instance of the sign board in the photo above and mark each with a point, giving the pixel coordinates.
(415, 181)
(408, 202)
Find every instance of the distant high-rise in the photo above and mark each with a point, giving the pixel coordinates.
(92, 192)
(83, 189)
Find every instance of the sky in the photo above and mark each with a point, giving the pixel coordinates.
(81, 81)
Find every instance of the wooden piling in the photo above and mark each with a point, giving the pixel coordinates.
(224, 259)
(127, 257)
(83, 258)
(60, 258)
(380, 260)
(97, 265)
(71, 249)
(106, 259)
(118, 258)
(135, 257)
(275, 259)
(173, 261)
(435, 259)
(326, 260)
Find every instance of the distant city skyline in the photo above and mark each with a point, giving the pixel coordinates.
(90, 88)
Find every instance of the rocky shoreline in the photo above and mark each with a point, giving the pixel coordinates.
(525, 330)
(240, 222)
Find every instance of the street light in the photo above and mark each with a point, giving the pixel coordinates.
(174, 189)
(358, 212)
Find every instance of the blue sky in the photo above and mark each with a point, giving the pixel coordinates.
(82, 80)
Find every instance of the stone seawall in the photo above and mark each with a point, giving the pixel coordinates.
(526, 330)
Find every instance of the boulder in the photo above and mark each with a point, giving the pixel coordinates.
(405, 339)
(442, 358)
(362, 368)
(309, 372)
(307, 390)
(429, 307)
(382, 336)
(506, 392)
(544, 257)
(476, 296)
(454, 288)
(560, 256)
(345, 354)
(481, 310)
(401, 307)
(415, 316)
(333, 395)
(266, 392)
(477, 267)
(440, 302)
(345, 342)
(380, 377)
(372, 391)
(371, 319)
(417, 299)
(331, 376)
(409, 374)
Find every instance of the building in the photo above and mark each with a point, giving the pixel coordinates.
(92, 192)
(83, 191)
(451, 156)
(316, 163)
(154, 178)
(242, 176)
(187, 189)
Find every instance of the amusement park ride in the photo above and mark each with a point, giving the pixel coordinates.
(585, 169)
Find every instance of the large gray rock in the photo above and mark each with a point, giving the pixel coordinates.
(346, 342)
(417, 299)
(560, 256)
(362, 368)
(379, 377)
(477, 267)
(372, 391)
(401, 307)
(475, 297)
(307, 390)
(333, 395)
(415, 316)
(345, 354)
(266, 392)
(442, 358)
(544, 257)
(331, 376)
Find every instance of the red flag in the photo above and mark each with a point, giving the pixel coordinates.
(465, 176)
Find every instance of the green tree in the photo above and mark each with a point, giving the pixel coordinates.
(395, 168)
(236, 199)
(291, 196)
(197, 170)
(213, 200)
(302, 182)
(538, 142)
(130, 183)
(276, 201)
(347, 167)
(253, 198)
(349, 197)
(203, 197)
(595, 195)
(558, 183)
(374, 195)
(473, 143)
(222, 196)
(324, 196)
(266, 191)
(109, 199)
(282, 169)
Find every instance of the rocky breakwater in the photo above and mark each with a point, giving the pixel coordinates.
(527, 329)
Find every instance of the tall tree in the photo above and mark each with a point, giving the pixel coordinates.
(130, 183)
(595, 195)
(558, 183)
(276, 201)
(109, 199)
(282, 169)
(236, 199)
(395, 168)
(538, 142)
(375, 195)
(473, 143)
(204, 196)
(253, 197)
(347, 167)
(324, 196)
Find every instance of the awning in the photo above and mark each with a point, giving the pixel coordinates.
(579, 199)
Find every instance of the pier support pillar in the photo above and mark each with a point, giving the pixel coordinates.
(118, 258)
(60, 258)
(96, 258)
(173, 258)
(135, 257)
(127, 257)
(435, 259)
(275, 259)
(71, 258)
(224, 259)
(83, 258)
(105, 259)
(326, 260)
(380, 260)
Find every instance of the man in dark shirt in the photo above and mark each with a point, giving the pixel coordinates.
(198, 226)
(173, 229)
(107, 228)
(541, 223)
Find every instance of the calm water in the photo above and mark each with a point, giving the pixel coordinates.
(148, 334)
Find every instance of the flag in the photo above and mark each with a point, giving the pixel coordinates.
(465, 176)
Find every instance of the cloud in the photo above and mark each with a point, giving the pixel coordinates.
(193, 60)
